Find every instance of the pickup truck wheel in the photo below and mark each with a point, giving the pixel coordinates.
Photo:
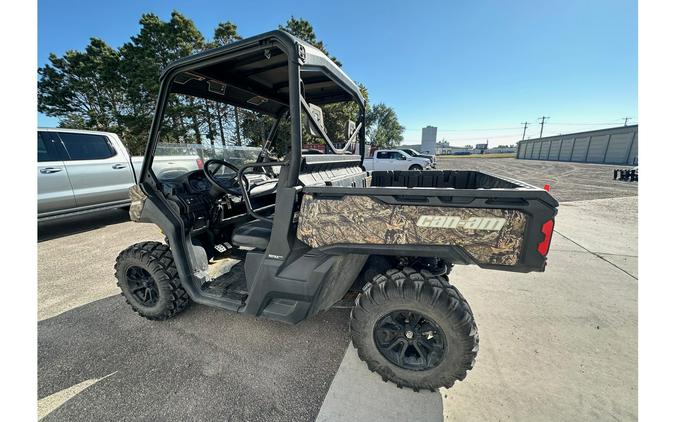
(415, 167)
(147, 276)
(414, 329)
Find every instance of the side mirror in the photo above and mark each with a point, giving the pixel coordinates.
(317, 113)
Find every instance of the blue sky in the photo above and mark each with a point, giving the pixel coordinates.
(474, 69)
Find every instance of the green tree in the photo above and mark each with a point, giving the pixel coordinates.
(226, 33)
(107, 89)
(304, 30)
(156, 45)
(83, 87)
(104, 88)
(384, 130)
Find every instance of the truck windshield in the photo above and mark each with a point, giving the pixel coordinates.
(195, 130)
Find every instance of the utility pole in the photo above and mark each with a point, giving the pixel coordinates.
(626, 119)
(524, 128)
(543, 119)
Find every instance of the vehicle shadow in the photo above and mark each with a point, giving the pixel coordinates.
(205, 364)
(53, 229)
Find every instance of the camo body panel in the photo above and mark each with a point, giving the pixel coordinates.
(355, 219)
(137, 201)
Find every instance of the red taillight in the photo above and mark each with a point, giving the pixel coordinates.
(547, 230)
(547, 187)
(200, 164)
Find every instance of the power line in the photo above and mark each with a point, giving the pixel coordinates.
(546, 118)
(543, 119)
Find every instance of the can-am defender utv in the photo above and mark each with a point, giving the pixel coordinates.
(272, 232)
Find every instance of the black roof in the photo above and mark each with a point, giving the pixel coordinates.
(253, 73)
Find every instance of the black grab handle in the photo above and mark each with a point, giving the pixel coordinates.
(244, 187)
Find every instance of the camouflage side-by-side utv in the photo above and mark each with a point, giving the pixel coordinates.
(267, 230)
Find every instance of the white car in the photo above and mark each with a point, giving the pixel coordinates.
(81, 171)
(393, 159)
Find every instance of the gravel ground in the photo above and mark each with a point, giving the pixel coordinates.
(569, 181)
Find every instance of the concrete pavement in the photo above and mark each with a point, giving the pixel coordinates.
(555, 346)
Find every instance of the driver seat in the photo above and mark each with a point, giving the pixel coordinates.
(254, 234)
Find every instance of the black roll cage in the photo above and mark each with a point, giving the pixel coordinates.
(300, 57)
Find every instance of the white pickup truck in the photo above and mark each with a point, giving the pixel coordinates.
(394, 159)
(81, 171)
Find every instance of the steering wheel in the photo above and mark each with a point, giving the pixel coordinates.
(226, 185)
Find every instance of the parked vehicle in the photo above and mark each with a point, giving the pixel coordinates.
(626, 175)
(81, 171)
(393, 159)
(322, 230)
(414, 153)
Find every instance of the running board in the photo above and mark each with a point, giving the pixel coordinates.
(228, 282)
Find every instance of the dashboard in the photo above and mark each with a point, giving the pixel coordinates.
(201, 205)
(198, 182)
(195, 182)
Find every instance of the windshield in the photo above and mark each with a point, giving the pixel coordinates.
(174, 160)
(195, 130)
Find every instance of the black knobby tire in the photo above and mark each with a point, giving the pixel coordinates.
(153, 260)
(423, 294)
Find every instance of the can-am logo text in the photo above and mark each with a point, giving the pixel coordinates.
(454, 222)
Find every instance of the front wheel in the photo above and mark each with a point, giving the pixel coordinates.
(416, 167)
(147, 276)
(414, 329)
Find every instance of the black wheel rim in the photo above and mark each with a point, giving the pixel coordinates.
(142, 286)
(410, 340)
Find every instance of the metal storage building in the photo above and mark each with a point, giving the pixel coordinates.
(618, 145)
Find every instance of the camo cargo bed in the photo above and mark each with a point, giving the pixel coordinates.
(466, 217)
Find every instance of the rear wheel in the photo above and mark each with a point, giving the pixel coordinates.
(147, 276)
(414, 329)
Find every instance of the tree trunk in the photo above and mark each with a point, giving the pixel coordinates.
(219, 115)
(195, 122)
(236, 123)
(209, 123)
